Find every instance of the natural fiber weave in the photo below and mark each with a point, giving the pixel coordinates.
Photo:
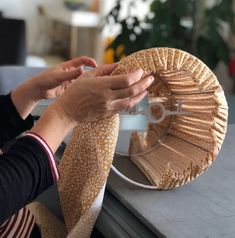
(183, 146)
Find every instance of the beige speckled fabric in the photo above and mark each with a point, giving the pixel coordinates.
(181, 147)
(50, 225)
(83, 173)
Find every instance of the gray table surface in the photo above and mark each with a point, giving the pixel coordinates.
(231, 108)
(202, 208)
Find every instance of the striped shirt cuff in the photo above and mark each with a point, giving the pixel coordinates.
(52, 160)
(19, 225)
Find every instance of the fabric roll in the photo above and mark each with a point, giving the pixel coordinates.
(84, 169)
(49, 225)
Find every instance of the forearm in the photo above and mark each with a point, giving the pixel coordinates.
(52, 127)
(27, 169)
(25, 172)
(11, 123)
(25, 98)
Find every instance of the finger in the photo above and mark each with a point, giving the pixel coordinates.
(83, 60)
(105, 70)
(76, 62)
(133, 90)
(124, 80)
(127, 103)
(69, 75)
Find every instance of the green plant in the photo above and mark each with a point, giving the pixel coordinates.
(211, 47)
(174, 23)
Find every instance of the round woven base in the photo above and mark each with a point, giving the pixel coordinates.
(181, 147)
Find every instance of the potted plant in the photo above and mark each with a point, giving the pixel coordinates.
(174, 23)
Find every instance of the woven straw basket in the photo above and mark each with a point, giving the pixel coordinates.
(181, 147)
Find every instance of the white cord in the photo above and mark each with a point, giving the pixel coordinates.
(132, 181)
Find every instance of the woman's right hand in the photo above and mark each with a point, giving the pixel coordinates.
(96, 94)
(92, 96)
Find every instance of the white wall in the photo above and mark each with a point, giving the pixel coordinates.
(27, 9)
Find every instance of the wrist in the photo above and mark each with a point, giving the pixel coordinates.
(35, 90)
(61, 111)
(53, 126)
(59, 114)
(24, 99)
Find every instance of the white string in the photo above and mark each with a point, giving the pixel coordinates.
(117, 172)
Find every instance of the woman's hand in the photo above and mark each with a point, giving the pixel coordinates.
(97, 94)
(94, 95)
(49, 84)
(53, 82)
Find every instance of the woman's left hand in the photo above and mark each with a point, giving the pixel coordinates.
(48, 84)
(53, 82)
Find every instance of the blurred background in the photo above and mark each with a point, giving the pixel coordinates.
(43, 33)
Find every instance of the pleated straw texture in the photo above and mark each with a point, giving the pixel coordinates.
(84, 169)
(182, 146)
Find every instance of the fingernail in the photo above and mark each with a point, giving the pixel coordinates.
(141, 71)
(151, 78)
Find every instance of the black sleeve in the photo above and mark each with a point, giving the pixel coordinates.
(25, 172)
(11, 124)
